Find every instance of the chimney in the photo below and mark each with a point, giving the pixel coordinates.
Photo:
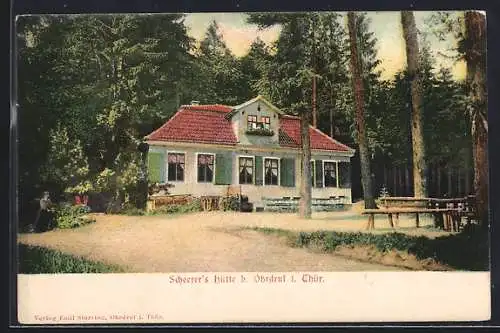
(195, 102)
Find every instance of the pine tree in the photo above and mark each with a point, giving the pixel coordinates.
(253, 66)
(358, 88)
(475, 55)
(219, 73)
(415, 73)
(108, 80)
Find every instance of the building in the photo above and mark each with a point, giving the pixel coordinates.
(204, 148)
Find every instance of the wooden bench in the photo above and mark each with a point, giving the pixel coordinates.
(447, 212)
(292, 203)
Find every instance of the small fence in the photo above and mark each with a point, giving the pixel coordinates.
(156, 201)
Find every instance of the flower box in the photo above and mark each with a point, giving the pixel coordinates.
(260, 131)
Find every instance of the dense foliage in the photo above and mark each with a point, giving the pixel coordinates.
(91, 87)
(71, 216)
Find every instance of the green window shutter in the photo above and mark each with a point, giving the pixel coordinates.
(156, 166)
(319, 173)
(223, 169)
(287, 172)
(259, 173)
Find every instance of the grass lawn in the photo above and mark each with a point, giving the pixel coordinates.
(40, 260)
(462, 251)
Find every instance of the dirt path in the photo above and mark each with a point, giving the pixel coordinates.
(197, 242)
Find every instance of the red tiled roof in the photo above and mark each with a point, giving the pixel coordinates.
(207, 124)
(197, 123)
(213, 107)
(291, 126)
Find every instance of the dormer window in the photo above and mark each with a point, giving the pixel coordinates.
(252, 122)
(265, 122)
(261, 127)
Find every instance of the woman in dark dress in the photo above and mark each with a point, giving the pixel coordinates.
(44, 216)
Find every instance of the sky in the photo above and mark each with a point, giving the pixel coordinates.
(386, 26)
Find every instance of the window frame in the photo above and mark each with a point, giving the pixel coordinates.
(350, 174)
(175, 152)
(197, 169)
(263, 123)
(336, 173)
(253, 169)
(264, 170)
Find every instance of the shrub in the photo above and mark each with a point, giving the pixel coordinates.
(193, 206)
(132, 211)
(39, 260)
(69, 216)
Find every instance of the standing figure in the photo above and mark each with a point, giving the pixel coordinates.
(43, 216)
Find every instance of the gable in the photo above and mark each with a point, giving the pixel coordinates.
(255, 103)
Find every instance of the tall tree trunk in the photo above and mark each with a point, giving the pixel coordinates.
(407, 181)
(394, 181)
(450, 188)
(332, 131)
(305, 157)
(475, 56)
(386, 185)
(314, 111)
(413, 63)
(313, 62)
(439, 172)
(358, 88)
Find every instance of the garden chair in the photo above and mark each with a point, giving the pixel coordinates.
(232, 192)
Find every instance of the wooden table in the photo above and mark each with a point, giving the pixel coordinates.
(464, 207)
(447, 214)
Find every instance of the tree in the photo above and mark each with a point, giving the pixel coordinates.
(305, 158)
(358, 88)
(293, 73)
(106, 80)
(474, 46)
(219, 77)
(66, 167)
(414, 72)
(469, 30)
(253, 66)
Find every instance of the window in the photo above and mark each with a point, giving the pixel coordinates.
(330, 170)
(175, 167)
(252, 122)
(246, 170)
(265, 122)
(312, 173)
(271, 171)
(205, 168)
(344, 174)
